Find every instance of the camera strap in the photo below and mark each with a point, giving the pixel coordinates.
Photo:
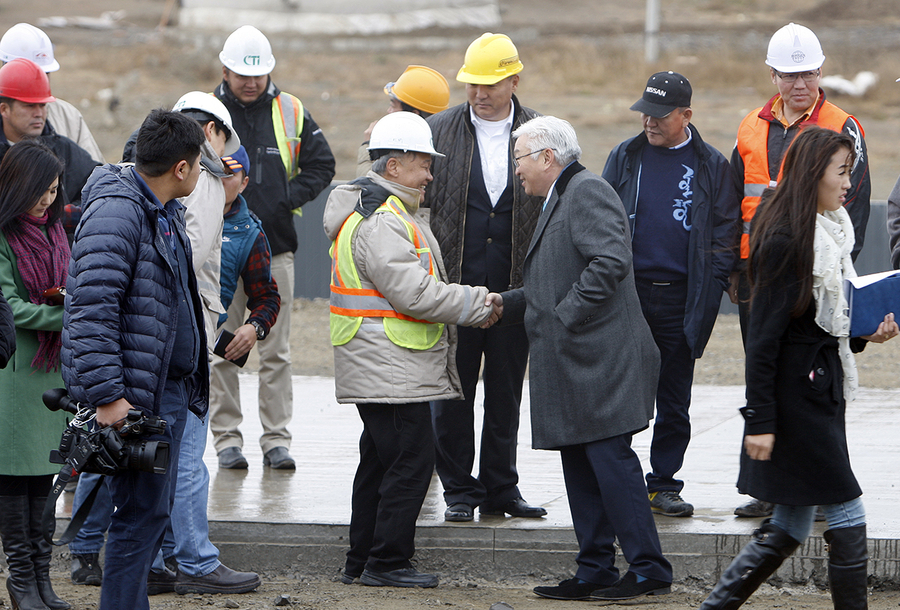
(48, 519)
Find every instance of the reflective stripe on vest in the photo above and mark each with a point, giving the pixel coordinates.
(287, 117)
(350, 302)
(753, 146)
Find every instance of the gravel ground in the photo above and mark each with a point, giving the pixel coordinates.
(321, 594)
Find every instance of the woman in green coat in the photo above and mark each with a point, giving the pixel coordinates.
(34, 260)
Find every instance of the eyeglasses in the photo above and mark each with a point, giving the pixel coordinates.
(791, 77)
(528, 154)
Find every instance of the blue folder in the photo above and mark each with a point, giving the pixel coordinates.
(871, 297)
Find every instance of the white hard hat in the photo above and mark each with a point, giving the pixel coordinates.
(404, 131)
(210, 104)
(247, 52)
(794, 48)
(28, 42)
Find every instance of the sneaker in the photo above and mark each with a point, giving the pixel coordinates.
(404, 577)
(670, 503)
(279, 459)
(349, 579)
(630, 586)
(86, 570)
(571, 589)
(221, 580)
(754, 509)
(232, 459)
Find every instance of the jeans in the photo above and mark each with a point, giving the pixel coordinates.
(797, 521)
(144, 501)
(90, 536)
(663, 306)
(187, 536)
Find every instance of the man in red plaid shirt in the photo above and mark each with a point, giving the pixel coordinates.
(245, 257)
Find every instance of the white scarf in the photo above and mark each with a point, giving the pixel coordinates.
(832, 245)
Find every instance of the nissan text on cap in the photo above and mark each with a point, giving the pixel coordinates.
(665, 92)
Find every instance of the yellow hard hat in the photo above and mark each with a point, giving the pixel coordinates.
(422, 88)
(489, 60)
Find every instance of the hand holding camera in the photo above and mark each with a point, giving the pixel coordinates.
(113, 414)
(119, 445)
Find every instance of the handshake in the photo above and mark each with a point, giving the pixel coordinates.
(495, 300)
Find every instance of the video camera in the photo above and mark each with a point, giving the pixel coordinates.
(107, 450)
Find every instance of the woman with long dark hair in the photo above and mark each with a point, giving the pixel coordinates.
(801, 373)
(34, 261)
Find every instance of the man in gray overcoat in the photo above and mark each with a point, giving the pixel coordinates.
(594, 364)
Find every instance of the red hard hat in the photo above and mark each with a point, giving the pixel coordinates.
(25, 81)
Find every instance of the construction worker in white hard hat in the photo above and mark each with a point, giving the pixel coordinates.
(291, 164)
(187, 541)
(483, 219)
(795, 59)
(23, 40)
(420, 90)
(393, 316)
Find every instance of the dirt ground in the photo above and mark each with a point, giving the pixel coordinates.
(471, 595)
(583, 62)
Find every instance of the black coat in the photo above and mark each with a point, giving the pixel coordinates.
(794, 390)
(7, 332)
(715, 212)
(78, 163)
(272, 194)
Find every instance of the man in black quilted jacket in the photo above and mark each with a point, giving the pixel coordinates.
(483, 220)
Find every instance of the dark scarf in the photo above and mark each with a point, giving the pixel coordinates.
(43, 262)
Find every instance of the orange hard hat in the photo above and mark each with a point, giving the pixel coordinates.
(422, 88)
(25, 81)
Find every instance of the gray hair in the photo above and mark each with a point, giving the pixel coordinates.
(550, 132)
(379, 166)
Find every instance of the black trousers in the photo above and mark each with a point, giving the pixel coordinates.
(396, 459)
(663, 306)
(744, 304)
(505, 351)
(608, 500)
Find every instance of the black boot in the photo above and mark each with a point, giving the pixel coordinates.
(43, 554)
(848, 567)
(756, 562)
(21, 583)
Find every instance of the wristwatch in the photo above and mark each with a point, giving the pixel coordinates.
(260, 331)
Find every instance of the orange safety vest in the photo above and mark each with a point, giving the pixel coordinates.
(753, 146)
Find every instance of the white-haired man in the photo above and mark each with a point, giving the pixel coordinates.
(594, 363)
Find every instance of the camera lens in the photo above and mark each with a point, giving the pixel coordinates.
(147, 456)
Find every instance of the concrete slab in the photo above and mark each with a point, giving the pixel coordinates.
(297, 522)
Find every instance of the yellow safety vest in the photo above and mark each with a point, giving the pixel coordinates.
(350, 303)
(287, 117)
